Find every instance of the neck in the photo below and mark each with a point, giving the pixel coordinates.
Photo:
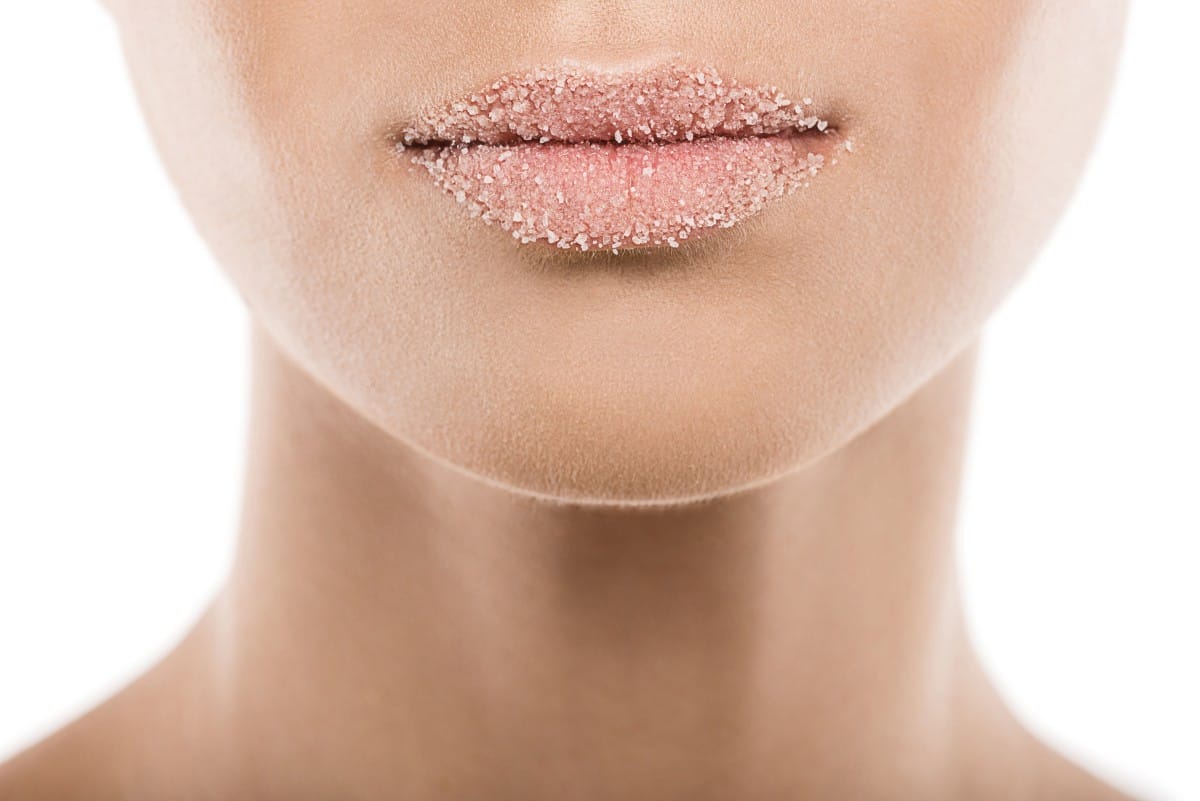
(394, 629)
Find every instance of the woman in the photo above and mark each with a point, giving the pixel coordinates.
(612, 363)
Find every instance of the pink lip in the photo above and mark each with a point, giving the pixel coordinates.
(592, 159)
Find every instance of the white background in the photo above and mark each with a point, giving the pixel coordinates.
(123, 378)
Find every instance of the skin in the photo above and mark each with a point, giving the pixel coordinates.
(526, 524)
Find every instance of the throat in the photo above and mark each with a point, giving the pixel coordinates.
(423, 630)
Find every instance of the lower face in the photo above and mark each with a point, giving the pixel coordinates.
(662, 371)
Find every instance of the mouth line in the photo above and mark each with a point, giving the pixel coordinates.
(687, 137)
(582, 158)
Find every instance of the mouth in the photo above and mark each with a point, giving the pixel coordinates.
(585, 159)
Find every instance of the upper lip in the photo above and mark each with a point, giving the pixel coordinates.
(572, 103)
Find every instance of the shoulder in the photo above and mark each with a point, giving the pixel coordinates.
(118, 750)
(140, 743)
(1060, 779)
(75, 762)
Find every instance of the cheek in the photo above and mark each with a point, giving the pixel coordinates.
(976, 131)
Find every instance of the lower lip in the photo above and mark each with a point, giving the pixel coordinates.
(609, 196)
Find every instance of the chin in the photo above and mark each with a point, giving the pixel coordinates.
(636, 443)
(671, 465)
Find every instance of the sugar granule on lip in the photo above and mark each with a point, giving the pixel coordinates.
(586, 160)
(711, 183)
(572, 104)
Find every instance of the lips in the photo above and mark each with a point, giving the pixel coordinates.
(588, 159)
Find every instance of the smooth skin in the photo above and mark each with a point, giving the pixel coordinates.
(526, 525)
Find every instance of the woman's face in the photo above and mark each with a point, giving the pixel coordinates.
(654, 374)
